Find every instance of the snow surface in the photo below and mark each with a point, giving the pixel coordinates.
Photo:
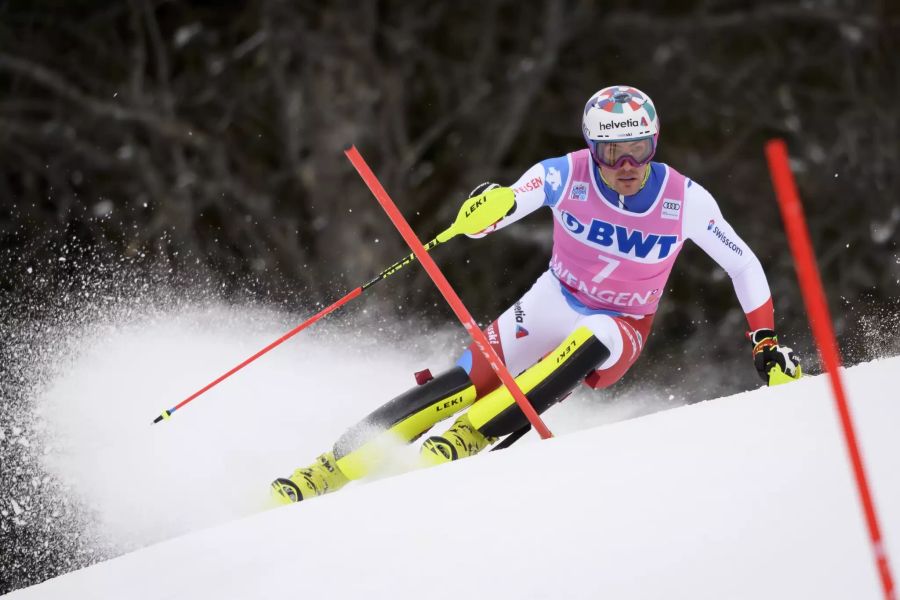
(749, 496)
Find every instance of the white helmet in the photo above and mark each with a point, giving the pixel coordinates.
(620, 113)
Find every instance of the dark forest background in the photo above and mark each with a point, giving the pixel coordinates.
(210, 135)
(202, 140)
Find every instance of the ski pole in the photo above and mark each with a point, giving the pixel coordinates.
(512, 438)
(476, 215)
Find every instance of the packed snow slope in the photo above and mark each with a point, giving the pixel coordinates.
(749, 496)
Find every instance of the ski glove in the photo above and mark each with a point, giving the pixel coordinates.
(484, 188)
(775, 364)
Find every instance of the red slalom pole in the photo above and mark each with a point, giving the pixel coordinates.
(820, 322)
(446, 289)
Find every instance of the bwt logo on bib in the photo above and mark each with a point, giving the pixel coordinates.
(620, 239)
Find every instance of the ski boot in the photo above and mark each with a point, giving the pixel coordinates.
(318, 479)
(460, 441)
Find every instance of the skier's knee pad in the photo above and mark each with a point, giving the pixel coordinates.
(544, 384)
(362, 448)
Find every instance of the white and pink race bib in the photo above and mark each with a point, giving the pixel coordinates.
(610, 258)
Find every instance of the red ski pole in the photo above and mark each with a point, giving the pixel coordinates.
(491, 207)
(168, 413)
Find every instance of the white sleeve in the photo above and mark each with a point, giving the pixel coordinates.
(530, 196)
(704, 224)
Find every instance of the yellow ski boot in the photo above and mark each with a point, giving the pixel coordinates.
(460, 441)
(318, 479)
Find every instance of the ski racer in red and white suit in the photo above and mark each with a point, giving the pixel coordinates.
(620, 221)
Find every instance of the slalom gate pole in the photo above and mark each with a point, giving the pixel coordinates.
(490, 208)
(446, 290)
(820, 322)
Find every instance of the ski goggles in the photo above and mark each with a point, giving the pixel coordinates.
(615, 154)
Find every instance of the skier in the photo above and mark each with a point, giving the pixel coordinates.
(619, 222)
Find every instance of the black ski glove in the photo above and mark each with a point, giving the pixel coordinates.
(775, 363)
